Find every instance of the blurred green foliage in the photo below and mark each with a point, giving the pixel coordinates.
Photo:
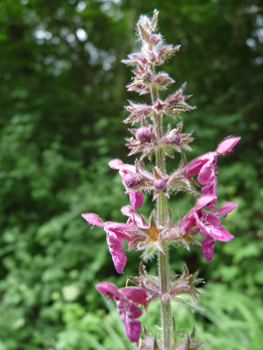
(62, 97)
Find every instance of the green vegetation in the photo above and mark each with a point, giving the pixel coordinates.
(61, 112)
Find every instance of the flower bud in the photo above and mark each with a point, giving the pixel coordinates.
(180, 98)
(131, 180)
(138, 57)
(143, 134)
(155, 39)
(177, 139)
(152, 56)
(159, 184)
(163, 79)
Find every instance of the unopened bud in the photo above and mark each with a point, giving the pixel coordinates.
(140, 57)
(163, 79)
(152, 56)
(155, 39)
(131, 180)
(180, 98)
(159, 184)
(143, 134)
(177, 139)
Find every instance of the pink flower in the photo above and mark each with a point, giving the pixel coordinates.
(208, 224)
(205, 167)
(136, 199)
(126, 300)
(129, 179)
(115, 234)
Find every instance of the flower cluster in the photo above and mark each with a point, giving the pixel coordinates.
(155, 235)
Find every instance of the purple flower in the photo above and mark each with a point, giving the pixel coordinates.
(208, 224)
(126, 300)
(115, 234)
(205, 166)
(129, 179)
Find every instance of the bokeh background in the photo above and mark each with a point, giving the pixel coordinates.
(61, 111)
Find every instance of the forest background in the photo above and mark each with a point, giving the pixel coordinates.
(61, 111)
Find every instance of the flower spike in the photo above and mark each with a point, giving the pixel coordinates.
(154, 236)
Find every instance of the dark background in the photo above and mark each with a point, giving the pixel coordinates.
(61, 110)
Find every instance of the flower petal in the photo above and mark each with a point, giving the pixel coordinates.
(137, 295)
(132, 329)
(207, 248)
(227, 145)
(116, 164)
(208, 171)
(188, 222)
(119, 259)
(118, 256)
(136, 199)
(126, 307)
(195, 165)
(119, 229)
(210, 190)
(108, 289)
(220, 234)
(127, 210)
(211, 226)
(204, 201)
(226, 209)
(93, 219)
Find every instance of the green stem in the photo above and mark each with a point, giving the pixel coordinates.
(165, 302)
(164, 278)
(163, 263)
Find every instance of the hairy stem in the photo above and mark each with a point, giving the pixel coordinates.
(163, 263)
(165, 303)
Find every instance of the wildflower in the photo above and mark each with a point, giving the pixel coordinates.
(129, 179)
(126, 300)
(205, 167)
(208, 224)
(116, 232)
(155, 235)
